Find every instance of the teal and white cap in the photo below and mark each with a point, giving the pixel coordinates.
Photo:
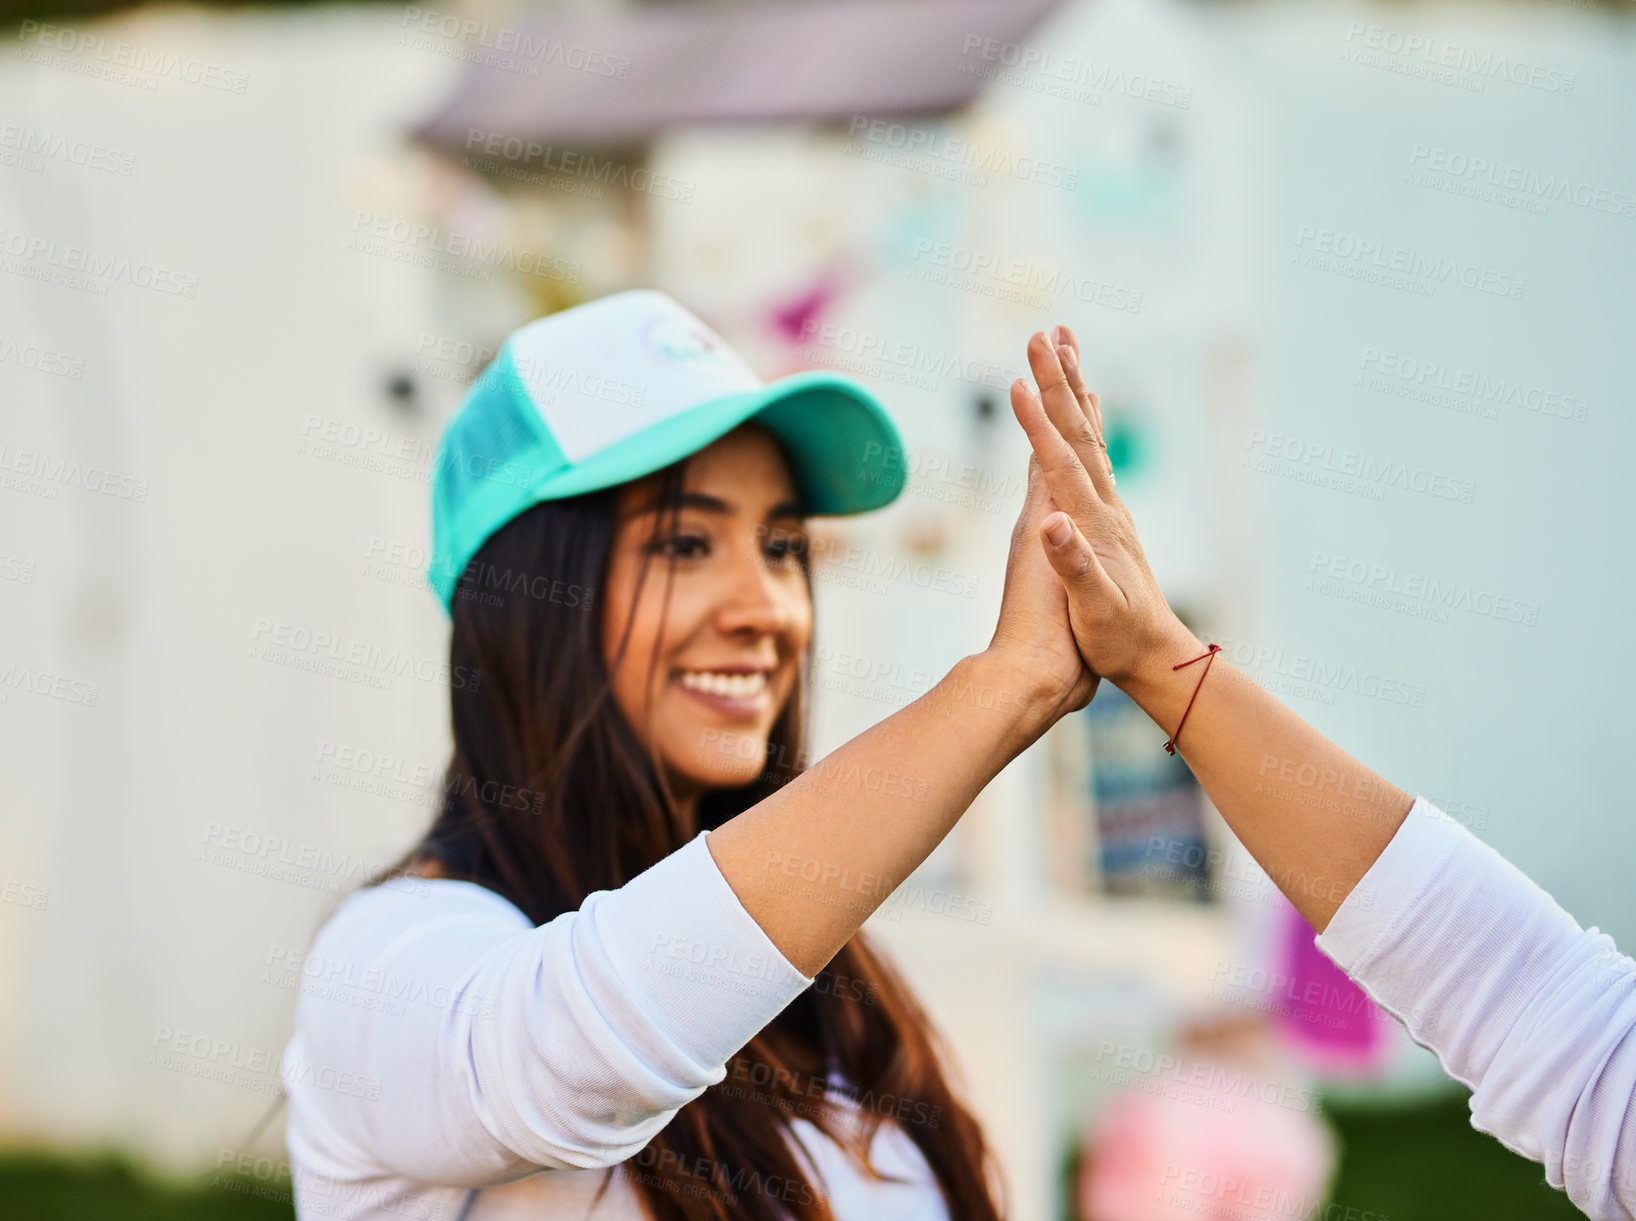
(621, 387)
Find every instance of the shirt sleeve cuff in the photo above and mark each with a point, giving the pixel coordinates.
(1386, 895)
(693, 958)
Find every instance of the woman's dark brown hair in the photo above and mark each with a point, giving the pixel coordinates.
(551, 795)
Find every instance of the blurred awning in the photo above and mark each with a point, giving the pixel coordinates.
(619, 80)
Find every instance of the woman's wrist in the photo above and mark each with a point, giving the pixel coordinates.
(1154, 683)
(1001, 683)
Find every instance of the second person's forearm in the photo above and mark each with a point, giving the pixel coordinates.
(1311, 815)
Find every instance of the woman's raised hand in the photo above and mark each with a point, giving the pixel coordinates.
(1033, 633)
(1119, 617)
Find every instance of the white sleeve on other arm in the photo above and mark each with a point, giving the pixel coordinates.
(489, 1049)
(1536, 1015)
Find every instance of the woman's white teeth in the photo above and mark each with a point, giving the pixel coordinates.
(735, 686)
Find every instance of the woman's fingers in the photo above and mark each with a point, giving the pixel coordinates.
(1036, 500)
(1095, 412)
(1061, 405)
(1064, 475)
(1101, 466)
(1064, 336)
(1037, 494)
(1090, 402)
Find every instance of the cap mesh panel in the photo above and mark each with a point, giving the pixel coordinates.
(490, 443)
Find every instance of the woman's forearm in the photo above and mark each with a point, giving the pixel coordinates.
(811, 862)
(1313, 816)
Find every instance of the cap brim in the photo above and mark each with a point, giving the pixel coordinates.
(846, 452)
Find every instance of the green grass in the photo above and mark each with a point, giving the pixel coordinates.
(1418, 1163)
(1427, 1163)
(108, 1187)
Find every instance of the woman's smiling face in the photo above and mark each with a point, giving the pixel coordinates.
(725, 654)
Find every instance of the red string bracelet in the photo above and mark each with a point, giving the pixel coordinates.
(1170, 746)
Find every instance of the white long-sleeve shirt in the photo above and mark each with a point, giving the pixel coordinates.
(444, 1043)
(1534, 1014)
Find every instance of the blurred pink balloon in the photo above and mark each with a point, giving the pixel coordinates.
(1217, 1140)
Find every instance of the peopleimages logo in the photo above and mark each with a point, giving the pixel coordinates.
(1462, 389)
(1305, 669)
(95, 51)
(1316, 462)
(450, 250)
(1527, 184)
(40, 359)
(1441, 62)
(1389, 588)
(90, 270)
(41, 145)
(1016, 280)
(1396, 266)
(1065, 77)
(958, 152)
(361, 661)
(515, 158)
(506, 41)
(51, 472)
(541, 380)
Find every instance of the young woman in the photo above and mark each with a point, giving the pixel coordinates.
(622, 975)
(1536, 1015)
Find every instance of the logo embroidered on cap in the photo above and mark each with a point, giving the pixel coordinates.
(679, 341)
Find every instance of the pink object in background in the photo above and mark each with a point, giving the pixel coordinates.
(1324, 1018)
(1211, 1145)
(797, 318)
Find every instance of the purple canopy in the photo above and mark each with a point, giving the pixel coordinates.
(619, 80)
